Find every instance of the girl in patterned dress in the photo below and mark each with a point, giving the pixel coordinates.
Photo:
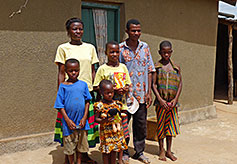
(110, 141)
(167, 85)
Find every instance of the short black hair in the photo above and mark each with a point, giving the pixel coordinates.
(111, 43)
(132, 21)
(72, 20)
(165, 43)
(71, 61)
(103, 83)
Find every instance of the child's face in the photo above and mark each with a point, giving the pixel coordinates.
(113, 53)
(165, 53)
(108, 92)
(76, 31)
(72, 71)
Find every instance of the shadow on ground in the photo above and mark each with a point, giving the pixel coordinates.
(59, 158)
(57, 155)
(152, 149)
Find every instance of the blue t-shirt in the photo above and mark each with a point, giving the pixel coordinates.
(72, 98)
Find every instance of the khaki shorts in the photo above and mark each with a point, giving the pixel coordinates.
(77, 141)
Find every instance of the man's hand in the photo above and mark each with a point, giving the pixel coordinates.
(148, 100)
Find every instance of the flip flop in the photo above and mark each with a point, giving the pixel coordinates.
(144, 159)
(125, 159)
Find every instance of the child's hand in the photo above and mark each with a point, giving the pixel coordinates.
(120, 91)
(82, 122)
(110, 119)
(71, 125)
(173, 103)
(107, 119)
(164, 104)
(117, 90)
(125, 89)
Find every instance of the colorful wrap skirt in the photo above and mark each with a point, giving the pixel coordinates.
(167, 122)
(93, 133)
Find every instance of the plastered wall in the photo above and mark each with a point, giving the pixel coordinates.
(29, 40)
(191, 26)
(28, 80)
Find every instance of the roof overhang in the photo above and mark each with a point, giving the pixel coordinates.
(232, 2)
(227, 22)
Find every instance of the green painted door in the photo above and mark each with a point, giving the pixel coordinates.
(113, 22)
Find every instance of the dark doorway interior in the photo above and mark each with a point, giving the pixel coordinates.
(221, 72)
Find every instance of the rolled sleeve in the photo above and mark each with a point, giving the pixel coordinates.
(60, 56)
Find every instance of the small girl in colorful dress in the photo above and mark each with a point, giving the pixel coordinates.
(110, 141)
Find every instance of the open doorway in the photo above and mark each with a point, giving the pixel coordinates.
(221, 72)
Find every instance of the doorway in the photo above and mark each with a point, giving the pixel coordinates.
(221, 72)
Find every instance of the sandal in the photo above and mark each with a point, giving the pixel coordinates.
(144, 159)
(125, 159)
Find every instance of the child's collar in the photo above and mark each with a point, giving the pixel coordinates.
(159, 64)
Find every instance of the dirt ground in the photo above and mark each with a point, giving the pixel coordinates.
(205, 142)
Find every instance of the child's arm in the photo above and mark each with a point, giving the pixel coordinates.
(175, 100)
(69, 122)
(100, 120)
(84, 118)
(123, 90)
(157, 94)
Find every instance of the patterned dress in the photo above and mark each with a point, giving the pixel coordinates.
(109, 140)
(167, 86)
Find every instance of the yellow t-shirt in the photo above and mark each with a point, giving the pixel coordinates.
(85, 53)
(119, 74)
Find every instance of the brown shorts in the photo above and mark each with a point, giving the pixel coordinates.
(77, 141)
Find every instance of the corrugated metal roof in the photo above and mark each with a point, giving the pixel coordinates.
(227, 11)
(232, 2)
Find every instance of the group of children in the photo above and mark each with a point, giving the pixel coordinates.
(112, 83)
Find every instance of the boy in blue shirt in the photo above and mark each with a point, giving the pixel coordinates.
(73, 102)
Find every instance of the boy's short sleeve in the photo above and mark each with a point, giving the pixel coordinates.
(60, 56)
(87, 94)
(60, 99)
(94, 56)
(98, 77)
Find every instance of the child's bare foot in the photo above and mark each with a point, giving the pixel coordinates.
(170, 156)
(162, 155)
